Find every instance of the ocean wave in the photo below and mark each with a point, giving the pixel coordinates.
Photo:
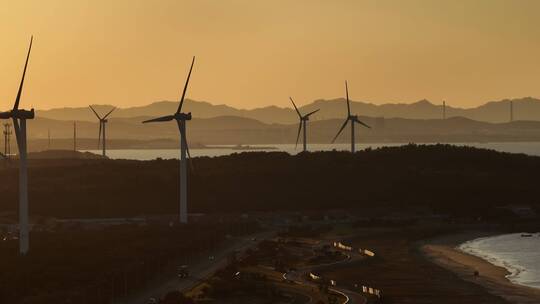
(508, 251)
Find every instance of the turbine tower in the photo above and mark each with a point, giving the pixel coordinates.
(511, 110)
(19, 117)
(352, 118)
(49, 139)
(102, 123)
(75, 136)
(302, 124)
(181, 119)
(7, 139)
(444, 109)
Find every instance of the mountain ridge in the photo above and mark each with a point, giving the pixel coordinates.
(526, 108)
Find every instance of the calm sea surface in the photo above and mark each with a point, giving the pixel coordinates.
(531, 148)
(519, 255)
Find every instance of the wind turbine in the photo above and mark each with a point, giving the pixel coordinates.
(75, 136)
(352, 118)
(302, 124)
(19, 117)
(181, 119)
(102, 123)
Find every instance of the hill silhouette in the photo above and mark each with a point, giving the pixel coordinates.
(526, 108)
(439, 179)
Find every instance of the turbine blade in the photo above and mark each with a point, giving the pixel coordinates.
(99, 135)
(184, 139)
(17, 129)
(97, 115)
(358, 121)
(16, 105)
(106, 115)
(187, 147)
(347, 94)
(185, 87)
(310, 113)
(339, 132)
(163, 118)
(298, 136)
(298, 112)
(191, 166)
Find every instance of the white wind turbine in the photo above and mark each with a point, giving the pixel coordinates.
(302, 124)
(352, 118)
(102, 123)
(19, 117)
(181, 119)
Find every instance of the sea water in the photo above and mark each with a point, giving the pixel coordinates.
(530, 148)
(519, 254)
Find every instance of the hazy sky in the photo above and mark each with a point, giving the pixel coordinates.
(253, 53)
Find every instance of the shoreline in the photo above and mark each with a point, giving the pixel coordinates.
(443, 252)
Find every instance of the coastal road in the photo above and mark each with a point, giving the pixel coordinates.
(198, 271)
(351, 297)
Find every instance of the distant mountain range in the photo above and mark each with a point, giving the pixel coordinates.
(527, 108)
(221, 124)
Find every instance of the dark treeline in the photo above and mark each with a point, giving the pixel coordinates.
(99, 266)
(439, 178)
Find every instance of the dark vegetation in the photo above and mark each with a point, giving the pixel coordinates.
(231, 283)
(99, 266)
(242, 280)
(443, 179)
(175, 297)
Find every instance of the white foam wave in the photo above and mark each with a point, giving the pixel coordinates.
(516, 254)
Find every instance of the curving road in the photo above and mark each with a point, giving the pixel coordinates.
(351, 297)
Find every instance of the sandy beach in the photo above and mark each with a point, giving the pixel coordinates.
(443, 252)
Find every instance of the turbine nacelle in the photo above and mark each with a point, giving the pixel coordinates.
(18, 114)
(175, 116)
(182, 116)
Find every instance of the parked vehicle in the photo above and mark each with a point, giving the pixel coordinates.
(183, 271)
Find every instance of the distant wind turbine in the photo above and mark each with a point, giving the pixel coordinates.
(19, 118)
(7, 137)
(444, 109)
(511, 111)
(75, 136)
(102, 123)
(181, 119)
(302, 124)
(352, 118)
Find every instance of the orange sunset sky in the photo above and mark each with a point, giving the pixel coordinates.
(253, 53)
